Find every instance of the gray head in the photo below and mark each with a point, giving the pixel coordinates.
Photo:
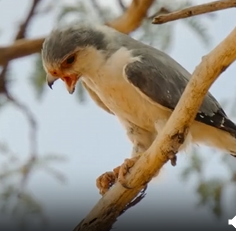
(67, 52)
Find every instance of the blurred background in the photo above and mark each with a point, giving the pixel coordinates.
(54, 145)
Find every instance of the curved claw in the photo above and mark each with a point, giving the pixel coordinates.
(124, 169)
(124, 185)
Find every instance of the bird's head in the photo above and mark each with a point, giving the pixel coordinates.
(69, 52)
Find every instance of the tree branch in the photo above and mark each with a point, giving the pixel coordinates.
(104, 213)
(128, 22)
(132, 17)
(20, 48)
(195, 10)
(24, 25)
(20, 34)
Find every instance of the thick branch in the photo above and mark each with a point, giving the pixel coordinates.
(104, 214)
(128, 22)
(132, 17)
(20, 48)
(195, 10)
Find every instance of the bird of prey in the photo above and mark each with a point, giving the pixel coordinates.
(133, 81)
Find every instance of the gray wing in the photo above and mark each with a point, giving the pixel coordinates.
(96, 98)
(163, 81)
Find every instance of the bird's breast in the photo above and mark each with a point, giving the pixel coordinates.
(125, 101)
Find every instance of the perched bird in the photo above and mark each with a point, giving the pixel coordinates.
(137, 83)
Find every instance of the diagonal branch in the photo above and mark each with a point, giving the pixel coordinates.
(195, 10)
(104, 213)
(24, 25)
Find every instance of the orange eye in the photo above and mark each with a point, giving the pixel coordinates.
(69, 61)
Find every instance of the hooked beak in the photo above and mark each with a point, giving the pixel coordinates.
(50, 80)
(70, 81)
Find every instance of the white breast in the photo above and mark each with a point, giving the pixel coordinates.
(120, 96)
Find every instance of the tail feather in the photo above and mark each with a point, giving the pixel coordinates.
(223, 139)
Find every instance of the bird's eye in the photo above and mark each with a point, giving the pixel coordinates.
(70, 60)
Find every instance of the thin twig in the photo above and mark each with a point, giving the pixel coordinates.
(162, 11)
(24, 109)
(32, 138)
(20, 35)
(195, 10)
(98, 8)
(121, 4)
(24, 25)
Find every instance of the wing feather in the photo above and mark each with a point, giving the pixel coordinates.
(162, 80)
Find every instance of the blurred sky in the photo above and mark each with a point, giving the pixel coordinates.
(92, 140)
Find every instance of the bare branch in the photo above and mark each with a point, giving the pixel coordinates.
(195, 10)
(121, 4)
(20, 48)
(20, 34)
(32, 138)
(24, 25)
(167, 143)
(132, 17)
(162, 11)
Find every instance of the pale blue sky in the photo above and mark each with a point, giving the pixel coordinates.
(92, 140)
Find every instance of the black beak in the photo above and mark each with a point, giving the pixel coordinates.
(50, 80)
(50, 84)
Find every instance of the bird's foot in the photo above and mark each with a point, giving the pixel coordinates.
(122, 170)
(106, 180)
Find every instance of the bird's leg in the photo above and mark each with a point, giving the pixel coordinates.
(141, 140)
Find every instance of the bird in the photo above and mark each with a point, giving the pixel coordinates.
(135, 82)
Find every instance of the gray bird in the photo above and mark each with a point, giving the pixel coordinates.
(133, 81)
